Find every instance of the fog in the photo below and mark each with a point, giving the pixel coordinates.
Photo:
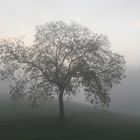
(118, 20)
(125, 98)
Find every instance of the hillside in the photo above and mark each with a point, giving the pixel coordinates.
(82, 123)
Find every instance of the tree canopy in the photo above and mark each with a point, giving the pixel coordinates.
(62, 59)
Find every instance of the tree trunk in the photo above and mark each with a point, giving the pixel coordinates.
(61, 106)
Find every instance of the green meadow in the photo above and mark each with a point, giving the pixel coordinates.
(82, 122)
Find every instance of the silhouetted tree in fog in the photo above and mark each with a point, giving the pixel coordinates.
(63, 59)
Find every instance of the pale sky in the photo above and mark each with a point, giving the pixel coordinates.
(118, 19)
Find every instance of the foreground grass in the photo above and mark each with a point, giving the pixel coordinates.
(81, 123)
(68, 130)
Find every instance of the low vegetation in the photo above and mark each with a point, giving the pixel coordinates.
(82, 123)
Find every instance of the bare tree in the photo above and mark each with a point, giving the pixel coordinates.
(62, 59)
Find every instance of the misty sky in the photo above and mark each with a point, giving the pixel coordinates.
(118, 19)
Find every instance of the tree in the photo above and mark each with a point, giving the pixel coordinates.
(63, 59)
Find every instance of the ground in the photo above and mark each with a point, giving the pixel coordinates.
(82, 123)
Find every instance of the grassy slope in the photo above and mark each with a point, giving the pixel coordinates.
(82, 123)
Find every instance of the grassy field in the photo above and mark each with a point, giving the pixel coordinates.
(82, 123)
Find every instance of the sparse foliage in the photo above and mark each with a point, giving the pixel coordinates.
(62, 59)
